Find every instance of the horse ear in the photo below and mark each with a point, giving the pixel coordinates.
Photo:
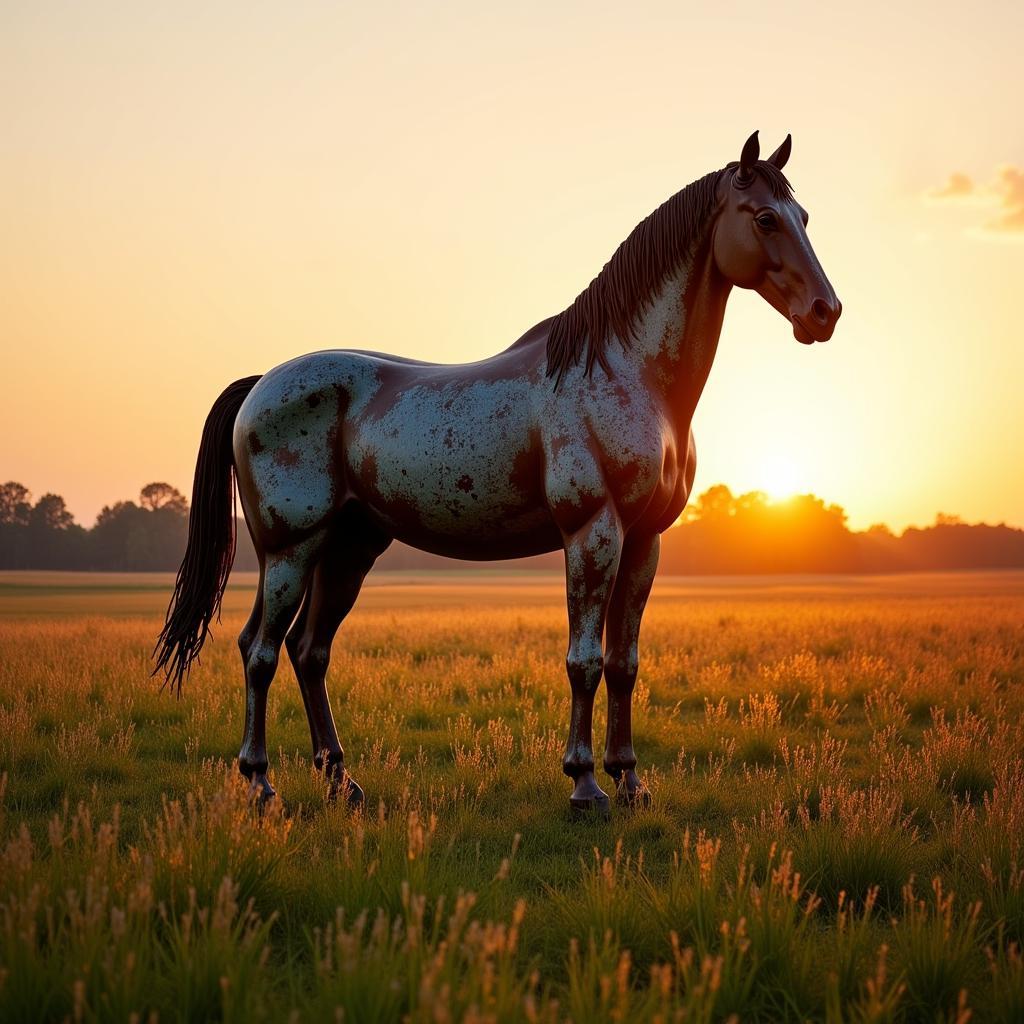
(781, 155)
(745, 171)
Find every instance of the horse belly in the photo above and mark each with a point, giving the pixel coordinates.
(453, 471)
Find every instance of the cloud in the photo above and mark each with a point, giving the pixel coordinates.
(1004, 194)
(958, 186)
(1010, 187)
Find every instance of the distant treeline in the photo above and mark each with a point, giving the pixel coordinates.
(148, 535)
(720, 533)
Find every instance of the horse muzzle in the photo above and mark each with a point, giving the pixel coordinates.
(818, 322)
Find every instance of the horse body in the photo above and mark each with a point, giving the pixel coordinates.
(476, 461)
(576, 437)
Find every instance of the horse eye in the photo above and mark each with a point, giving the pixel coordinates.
(766, 221)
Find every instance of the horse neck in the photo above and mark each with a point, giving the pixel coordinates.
(677, 335)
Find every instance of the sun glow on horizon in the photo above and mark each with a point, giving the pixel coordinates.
(780, 478)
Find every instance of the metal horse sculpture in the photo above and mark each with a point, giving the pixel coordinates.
(577, 437)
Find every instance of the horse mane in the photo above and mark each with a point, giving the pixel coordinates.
(608, 307)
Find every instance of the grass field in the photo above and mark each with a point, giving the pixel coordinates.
(836, 833)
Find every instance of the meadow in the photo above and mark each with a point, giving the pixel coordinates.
(836, 832)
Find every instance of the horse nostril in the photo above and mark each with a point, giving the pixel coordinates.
(819, 310)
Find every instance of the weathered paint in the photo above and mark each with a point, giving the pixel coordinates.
(339, 452)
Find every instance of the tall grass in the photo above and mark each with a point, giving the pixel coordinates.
(836, 833)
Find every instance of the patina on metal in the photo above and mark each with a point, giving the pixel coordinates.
(576, 437)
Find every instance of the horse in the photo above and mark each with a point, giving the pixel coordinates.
(576, 437)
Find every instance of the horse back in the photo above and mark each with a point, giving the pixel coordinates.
(446, 458)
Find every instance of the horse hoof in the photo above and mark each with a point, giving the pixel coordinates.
(347, 787)
(354, 795)
(639, 797)
(588, 799)
(261, 792)
(631, 792)
(591, 807)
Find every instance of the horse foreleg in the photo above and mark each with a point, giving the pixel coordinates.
(283, 584)
(637, 567)
(591, 561)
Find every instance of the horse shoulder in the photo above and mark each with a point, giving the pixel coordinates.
(636, 440)
(574, 485)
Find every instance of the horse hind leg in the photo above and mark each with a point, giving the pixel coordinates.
(283, 582)
(252, 625)
(336, 583)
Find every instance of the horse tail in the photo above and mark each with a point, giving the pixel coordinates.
(210, 548)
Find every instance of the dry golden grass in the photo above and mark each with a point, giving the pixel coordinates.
(837, 829)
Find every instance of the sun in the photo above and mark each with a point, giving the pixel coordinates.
(778, 476)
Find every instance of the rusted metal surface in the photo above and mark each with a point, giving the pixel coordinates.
(579, 442)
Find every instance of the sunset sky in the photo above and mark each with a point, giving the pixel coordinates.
(191, 193)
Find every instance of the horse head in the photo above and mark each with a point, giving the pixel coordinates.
(760, 242)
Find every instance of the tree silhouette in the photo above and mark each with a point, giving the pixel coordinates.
(40, 536)
(14, 504)
(50, 513)
(163, 496)
(147, 536)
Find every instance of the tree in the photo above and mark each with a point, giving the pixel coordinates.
(51, 513)
(52, 538)
(160, 495)
(715, 502)
(15, 504)
(149, 536)
(40, 536)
